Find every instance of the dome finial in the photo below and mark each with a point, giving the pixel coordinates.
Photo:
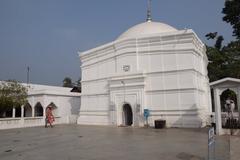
(149, 16)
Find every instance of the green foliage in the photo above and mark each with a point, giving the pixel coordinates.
(67, 82)
(78, 82)
(232, 54)
(216, 64)
(219, 41)
(232, 16)
(224, 61)
(12, 94)
(211, 35)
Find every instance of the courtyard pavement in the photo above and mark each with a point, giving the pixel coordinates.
(76, 142)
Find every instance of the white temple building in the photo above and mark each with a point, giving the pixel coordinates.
(151, 66)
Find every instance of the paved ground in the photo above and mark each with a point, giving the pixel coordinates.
(74, 142)
(235, 147)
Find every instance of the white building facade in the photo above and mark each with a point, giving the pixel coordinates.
(64, 103)
(150, 66)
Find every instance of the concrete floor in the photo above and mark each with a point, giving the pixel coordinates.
(75, 142)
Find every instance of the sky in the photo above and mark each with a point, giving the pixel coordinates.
(46, 35)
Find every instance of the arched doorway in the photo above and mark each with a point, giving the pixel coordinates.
(127, 115)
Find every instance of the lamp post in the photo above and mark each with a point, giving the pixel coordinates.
(28, 71)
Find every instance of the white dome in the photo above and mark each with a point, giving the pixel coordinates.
(146, 28)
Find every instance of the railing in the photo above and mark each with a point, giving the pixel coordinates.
(34, 121)
(232, 122)
(7, 123)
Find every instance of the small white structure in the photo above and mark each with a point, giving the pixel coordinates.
(219, 87)
(150, 66)
(65, 105)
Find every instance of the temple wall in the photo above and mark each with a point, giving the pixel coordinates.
(165, 74)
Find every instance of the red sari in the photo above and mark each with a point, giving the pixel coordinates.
(49, 116)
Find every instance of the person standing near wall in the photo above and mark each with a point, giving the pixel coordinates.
(49, 117)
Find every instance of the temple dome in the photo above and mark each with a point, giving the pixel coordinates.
(146, 28)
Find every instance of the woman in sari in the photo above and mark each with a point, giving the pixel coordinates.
(49, 117)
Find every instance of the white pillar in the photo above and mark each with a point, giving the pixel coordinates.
(33, 111)
(22, 111)
(210, 100)
(13, 112)
(218, 115)
(119, 116)
(44, 112)
(238, 100)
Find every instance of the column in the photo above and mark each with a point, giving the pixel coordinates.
(22, 115)
(218, 115)
(22, 111)
(238, 100)
(13, 112)
(210, 100)
(44, 112)
(33, 111)
(119, 116)
(137, 54)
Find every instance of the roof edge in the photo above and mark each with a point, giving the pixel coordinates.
(225, 80)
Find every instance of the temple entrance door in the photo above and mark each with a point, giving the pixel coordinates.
(127, 115)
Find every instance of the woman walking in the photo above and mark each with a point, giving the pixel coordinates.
(49, 117)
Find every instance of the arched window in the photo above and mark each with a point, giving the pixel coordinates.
(18, 111)
(38, 110)
(27, 110)
(9, 113)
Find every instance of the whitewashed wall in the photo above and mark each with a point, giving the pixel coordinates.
(171, 80)
(67, 104)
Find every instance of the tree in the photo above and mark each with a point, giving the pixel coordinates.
(224, 61)
(232, 15)
(79, 84)
(218, 43)
(67, 82)
(232, 56)
(216, 57)
(219, 39)
(216, 64)
(211, 35)
(12, 94)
